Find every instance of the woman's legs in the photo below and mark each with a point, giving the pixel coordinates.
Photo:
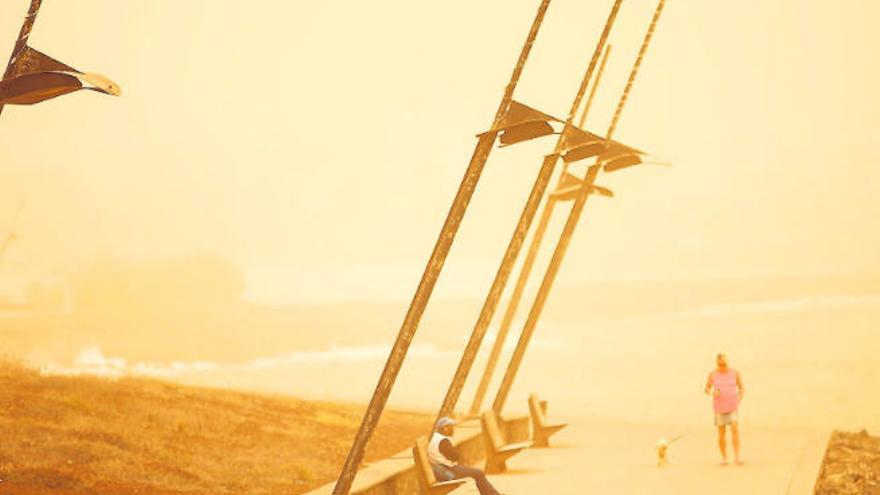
(734, 436)
(722, 443)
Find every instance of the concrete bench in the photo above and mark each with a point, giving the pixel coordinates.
(497, 452)
(396, 475)
(427, 481)
(541, 429)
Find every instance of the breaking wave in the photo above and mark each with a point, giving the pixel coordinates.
(92, 361)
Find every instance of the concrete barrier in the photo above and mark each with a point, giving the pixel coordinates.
(807, 470)
(516, 428)
(396, 475)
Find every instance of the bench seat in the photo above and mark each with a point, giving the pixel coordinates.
(541, 429)
(497, 452)
(428, 483)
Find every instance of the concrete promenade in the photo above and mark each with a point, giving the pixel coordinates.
(602, 457)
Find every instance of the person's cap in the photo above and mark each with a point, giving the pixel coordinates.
(444, 422)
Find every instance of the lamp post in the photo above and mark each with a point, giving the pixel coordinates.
(432, 270)
(531, 254)
(32, 76)
(23, 35)
(519, 234)
(570, 225)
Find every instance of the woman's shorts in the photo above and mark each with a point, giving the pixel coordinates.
(725, 419)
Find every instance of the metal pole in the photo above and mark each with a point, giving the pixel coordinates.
(567, 232)
(432, 271)
(595, 87)
(526, 270)
(23, 35)
(519, 234)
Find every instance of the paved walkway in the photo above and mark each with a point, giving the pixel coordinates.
(603, 458)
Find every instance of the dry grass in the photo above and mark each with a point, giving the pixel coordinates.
(83, 435)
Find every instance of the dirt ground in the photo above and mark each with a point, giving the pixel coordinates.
(82, 435)
(851, 465)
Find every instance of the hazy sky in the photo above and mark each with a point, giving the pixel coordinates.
(318, 144)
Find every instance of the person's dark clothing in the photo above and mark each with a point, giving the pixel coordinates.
(448, 450)
(457, 472)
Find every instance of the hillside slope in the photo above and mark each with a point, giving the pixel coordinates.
(79, 435)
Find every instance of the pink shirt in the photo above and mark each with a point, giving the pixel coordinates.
(725, 396)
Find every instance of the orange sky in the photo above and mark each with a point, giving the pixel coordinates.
(318, 144)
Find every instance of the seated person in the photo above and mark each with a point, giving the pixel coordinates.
(444, 458)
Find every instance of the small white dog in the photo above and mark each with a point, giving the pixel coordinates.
(662, 449)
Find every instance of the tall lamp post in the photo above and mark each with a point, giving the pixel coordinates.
(610, 161)
(531, 254)
(522, 228)
(33, 77)
(432, 271)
